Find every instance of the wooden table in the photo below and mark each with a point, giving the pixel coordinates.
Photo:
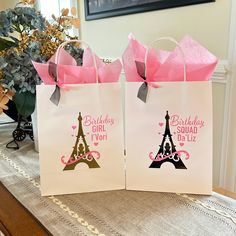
(15, 219)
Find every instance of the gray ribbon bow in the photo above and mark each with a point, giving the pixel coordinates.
(52, 70)
(143, 90)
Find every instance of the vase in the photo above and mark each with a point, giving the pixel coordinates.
(12, 111)
(35, 129)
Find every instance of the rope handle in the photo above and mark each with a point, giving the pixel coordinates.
(176, 43)
(58, 53)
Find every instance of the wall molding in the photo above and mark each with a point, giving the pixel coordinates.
(228, 153)
(221, 72)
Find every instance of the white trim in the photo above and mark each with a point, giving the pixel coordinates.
(221, 72)
(225, 182)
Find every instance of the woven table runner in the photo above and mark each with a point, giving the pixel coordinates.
(122, 212)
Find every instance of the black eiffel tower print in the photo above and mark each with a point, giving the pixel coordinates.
(167, 147)
(80, 149)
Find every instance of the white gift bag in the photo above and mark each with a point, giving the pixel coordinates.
(81, 139)
(169, 138)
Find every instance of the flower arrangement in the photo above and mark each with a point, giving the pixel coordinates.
(25, 35)
(5, 96)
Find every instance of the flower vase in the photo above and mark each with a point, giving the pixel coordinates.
(35, 129)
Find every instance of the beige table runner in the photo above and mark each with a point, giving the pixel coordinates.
(112, 213)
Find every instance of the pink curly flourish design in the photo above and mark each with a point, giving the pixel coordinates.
(70, 162)
(159, 158)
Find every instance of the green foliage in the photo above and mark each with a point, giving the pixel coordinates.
(4, 44)
(25, 103)
(20, 19)
(23, 34)
(18, 73)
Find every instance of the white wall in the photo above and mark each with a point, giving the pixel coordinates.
(218, 115)
(207, 23)
(228, 163)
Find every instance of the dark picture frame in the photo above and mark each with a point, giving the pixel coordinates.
(97, 9)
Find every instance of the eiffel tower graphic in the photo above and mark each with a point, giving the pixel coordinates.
(167, 147)
(80, 149)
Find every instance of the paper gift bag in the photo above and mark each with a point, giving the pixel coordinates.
(81, 137)
(169, 123)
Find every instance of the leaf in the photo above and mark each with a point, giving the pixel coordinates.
(15, 40)
(3, 63)
(76, 23)
(54, 17)
(73, 11)
(65, 12)
(4, 44)
(25, 103)
(31, 2)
